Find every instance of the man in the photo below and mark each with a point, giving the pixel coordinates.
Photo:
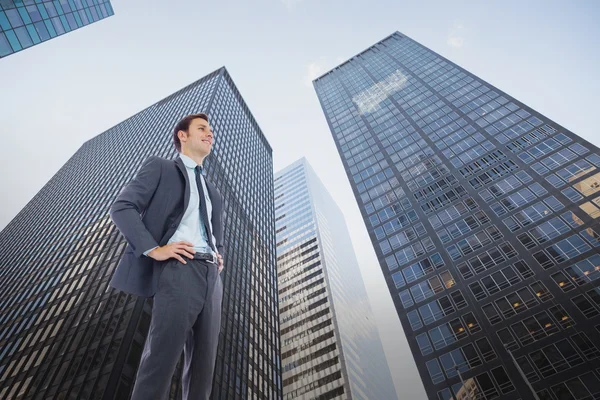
(171, 217)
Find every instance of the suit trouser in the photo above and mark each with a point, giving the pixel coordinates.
(186, 315)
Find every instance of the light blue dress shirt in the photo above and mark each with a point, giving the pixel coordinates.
(191, 229)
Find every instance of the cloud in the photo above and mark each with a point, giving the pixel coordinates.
(456, 41)
(318, 68)
(369, 99)
(456, 36)
(315, 69)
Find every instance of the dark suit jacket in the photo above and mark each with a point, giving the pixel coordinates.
(147, 212)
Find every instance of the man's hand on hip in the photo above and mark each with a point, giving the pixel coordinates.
(173, 250)
(220, 262)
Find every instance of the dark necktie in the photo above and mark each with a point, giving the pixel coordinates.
(203, 208)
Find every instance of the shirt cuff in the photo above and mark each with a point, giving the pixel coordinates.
(148, 251)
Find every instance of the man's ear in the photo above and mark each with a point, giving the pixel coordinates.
(181, 134)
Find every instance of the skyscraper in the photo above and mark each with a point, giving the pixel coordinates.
(65, 334)
(24, 23)
(329, 347)
(484, 217)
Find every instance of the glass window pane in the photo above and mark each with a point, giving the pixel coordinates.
(5, 48)
(58, 26)
(4, 24)
(24, 37)
(14, 17)
(34, 13)
(40, 27)
(12, 38)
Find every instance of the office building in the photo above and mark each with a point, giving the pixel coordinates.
(65, 334)
(484, 217)
(25, 23)
(330, 349)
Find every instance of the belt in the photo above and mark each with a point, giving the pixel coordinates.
(210, 257)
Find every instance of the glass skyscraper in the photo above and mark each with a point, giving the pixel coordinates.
(24, 23)
(65, 334)
(484, 217)
(329, 347)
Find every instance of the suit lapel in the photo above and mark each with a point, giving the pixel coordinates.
(186, 195)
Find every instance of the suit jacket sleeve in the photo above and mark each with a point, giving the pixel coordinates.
(126, 212)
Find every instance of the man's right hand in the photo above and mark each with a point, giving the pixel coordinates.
(173, 250)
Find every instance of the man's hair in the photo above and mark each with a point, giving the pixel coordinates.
(184, 125)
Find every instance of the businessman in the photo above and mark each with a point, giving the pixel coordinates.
(171, 217)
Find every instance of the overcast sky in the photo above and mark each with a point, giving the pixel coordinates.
(58, 94)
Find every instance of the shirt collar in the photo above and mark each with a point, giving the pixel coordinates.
(188, 162)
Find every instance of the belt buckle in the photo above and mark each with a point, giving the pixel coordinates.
(214, 258)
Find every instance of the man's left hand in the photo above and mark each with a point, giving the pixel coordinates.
(220, 262)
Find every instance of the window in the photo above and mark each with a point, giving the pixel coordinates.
(589, 185)
(541, 291)
(406, 299)
(507, 339)
(572, 219)
(502, 380)
(555, 357)
(459, 300)
(436, 310)
(414, 320)
(435, 372)
(585, 345)
(591, 236)
(579, 388)
(485, 349)
(419, 269)
(590, 209)
(518, 199)
(585, 305)
(526, 240)
(398, 279)
(543, 259)
(500, 280)
(585, 271)
(523, 269)
(516, 302)
(447, 333)
(424, 344)
(568, 248)
(534, 328)
(491, 313)
(555, 181)
(562, 281)
(572, 194)
(461, 359)
(575, 170)
(511, 224)
(549, 230)
(478, 291)
(553, 203)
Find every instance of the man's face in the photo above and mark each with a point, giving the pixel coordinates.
(199, 138)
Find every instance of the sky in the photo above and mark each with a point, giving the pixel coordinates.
(58, 94)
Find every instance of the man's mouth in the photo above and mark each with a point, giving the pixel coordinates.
(207, 141)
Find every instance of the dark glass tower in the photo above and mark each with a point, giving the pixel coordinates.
(24, 23)
(484, 217)
(65, 334)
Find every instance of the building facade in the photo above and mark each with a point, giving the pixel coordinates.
(65, 334)
(25, 23)
(329, 347)
(484, 217)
